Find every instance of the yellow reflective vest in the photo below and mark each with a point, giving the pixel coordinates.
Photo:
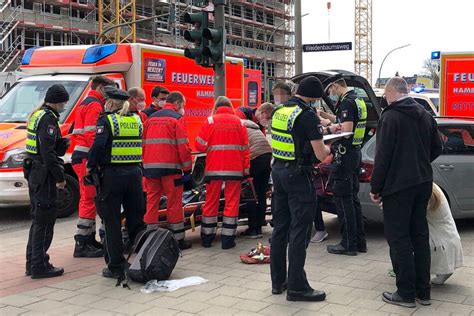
(283, 146)
(31, 131)
(126, 138)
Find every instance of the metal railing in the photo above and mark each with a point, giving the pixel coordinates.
(9, 24)
(8, 57)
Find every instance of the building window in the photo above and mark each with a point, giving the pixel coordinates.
(259, 16)
(236, 11)
(248, 14)
(270, 19)
(249, 34)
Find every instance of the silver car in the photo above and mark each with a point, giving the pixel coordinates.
(453, 170)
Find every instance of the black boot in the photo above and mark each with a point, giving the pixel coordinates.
(84, 249)
(51, 272)
(184, 244)
(228, 242)
(206, 240)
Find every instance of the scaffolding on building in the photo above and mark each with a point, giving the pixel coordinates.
(363, 39)
(259, 31)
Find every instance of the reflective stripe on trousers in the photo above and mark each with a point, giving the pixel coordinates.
(229, 226)
(85, 227)
(209, 225)
(177, 229)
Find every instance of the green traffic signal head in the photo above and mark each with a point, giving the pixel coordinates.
(193, 36)
(200, 18)
(215, 53)
(214, 35)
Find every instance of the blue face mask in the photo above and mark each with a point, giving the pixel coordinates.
(334, 98)
(315, 104)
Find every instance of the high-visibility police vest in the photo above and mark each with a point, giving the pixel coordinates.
(126, 138)
(31, 131)
(283, 146)
(359, 131)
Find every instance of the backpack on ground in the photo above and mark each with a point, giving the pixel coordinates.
(158, 252)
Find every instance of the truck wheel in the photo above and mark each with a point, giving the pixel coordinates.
(68, 198)
(198, 172)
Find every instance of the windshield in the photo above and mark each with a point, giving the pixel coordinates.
(17, 104)
(435, 102)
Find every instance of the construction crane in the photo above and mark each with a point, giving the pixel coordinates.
(115, 12)
(363, 39)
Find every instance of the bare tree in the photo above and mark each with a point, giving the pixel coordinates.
(431, 70)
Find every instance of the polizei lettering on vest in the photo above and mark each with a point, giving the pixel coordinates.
(280, 116)
(128, 125)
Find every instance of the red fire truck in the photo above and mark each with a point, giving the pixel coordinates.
(457, 84)
(129, 65)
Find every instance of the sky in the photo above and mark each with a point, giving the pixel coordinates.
(427, 25)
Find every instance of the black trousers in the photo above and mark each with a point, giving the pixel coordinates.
(120, 185)
(43, 211)
(294, 206)
(406, 230)
(345, 185)
(324, 203)
(260, 169)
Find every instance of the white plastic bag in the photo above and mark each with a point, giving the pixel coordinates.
(171, 285)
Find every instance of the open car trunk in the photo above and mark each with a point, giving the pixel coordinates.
(360, 85)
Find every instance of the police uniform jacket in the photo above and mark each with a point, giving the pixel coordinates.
(50, 144)
(101, 151)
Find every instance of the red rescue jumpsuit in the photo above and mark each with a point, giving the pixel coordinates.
(166, 156)
(224, 138)
(83, 136)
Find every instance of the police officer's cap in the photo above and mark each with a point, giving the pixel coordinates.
(116, 94)
(330, 80)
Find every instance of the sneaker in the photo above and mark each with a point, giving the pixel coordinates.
(440, 278)
(319, 236)
(251, 233)
(395, 299)
(424, 302)
(340, 250)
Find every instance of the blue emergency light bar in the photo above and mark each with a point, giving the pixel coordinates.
(96, 53)
(27, 55)
(435, 55)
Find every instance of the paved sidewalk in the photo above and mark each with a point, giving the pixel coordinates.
(353, 284)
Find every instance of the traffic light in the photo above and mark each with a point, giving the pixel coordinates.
(215, 48)
(200, 21)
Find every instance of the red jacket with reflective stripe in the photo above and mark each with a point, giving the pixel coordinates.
(224, 138)
(85, 123)
(166, 147)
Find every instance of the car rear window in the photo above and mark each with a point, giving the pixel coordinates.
(457, 140)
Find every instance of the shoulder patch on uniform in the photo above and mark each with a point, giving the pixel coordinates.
(344, 114)
(99, 129)
(320, 129)
(51, 130)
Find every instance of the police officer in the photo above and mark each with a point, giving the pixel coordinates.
(351, 116)
(297, 144)
(45, 174)
(116, 155)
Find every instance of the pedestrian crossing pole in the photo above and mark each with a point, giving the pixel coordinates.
(219, 67)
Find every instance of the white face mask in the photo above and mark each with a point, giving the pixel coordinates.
(141, 106)
(277, 99)
(181, 111)
(161, 103)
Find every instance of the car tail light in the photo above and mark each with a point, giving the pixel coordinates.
(366, 168)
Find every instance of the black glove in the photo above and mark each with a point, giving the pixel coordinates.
(185, 178)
